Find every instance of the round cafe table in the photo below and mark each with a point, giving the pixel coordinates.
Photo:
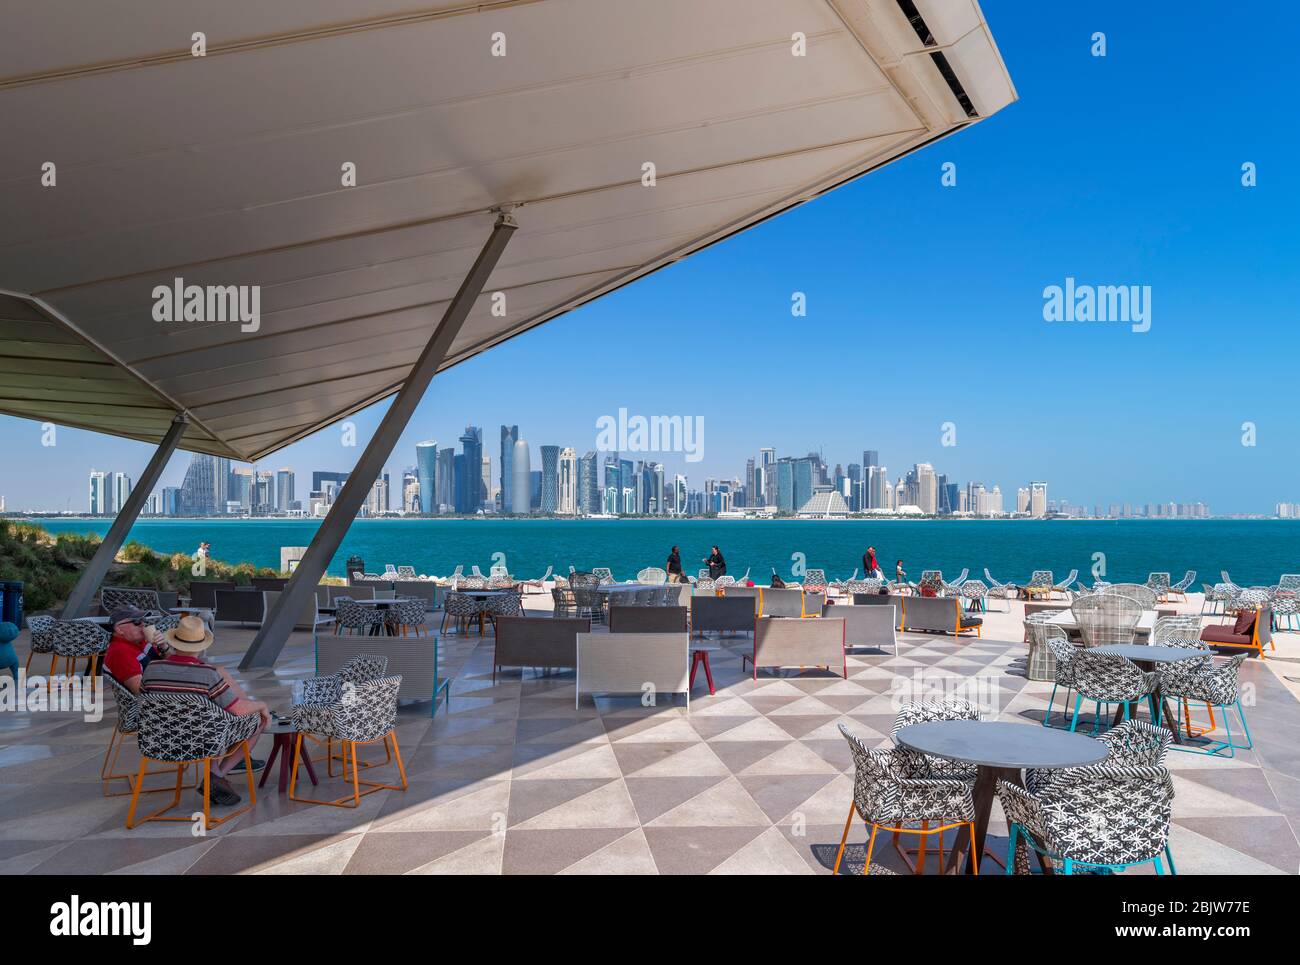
(1000, 751)
(1146, 657)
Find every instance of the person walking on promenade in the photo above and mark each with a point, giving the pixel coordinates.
(871, 565)
(675, 566)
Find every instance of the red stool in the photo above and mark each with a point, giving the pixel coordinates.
(700, 657)
(285, 735)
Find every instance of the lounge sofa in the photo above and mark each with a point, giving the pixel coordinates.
(1256, 636)
(203, 593)
(780, 602)
(415, 658)
(723, 614)
(938, 614)
(648, 619)
(781, 642)
(629, 663)
(548, 643)
(240, 606)
(869, 626)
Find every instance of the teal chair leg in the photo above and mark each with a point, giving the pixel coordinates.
(1169, 856)
(1250, 741)
(1074, 723)
(1096, 718)
(1011, 848)
(1050, 701)
(1160, 868)
(1068, 867)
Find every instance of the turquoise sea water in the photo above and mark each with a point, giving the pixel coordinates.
(1252, 551)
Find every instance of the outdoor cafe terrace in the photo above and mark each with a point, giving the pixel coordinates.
(507, 775)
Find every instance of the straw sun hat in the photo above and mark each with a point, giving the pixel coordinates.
(189, 636)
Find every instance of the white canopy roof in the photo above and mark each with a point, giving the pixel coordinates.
(226, 169)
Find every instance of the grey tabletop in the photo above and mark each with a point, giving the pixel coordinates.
(1000, 744)
(1152, 654)
(626, 587)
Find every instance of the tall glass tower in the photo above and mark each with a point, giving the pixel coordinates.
(426, 473)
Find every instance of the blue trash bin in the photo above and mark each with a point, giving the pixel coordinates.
(11, 604)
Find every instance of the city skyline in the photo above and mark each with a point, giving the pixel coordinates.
(605, 483)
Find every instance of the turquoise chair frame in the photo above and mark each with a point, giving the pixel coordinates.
(1069, 864)
(1230, 745)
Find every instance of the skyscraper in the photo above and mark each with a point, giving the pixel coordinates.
(870, 457)
(426, 473)
(589, 484)
(469, 484)
(445, 485)
(550, 479)
(199, 488)
(284, 490)
(98, 495)
(509, 436)
(119, 492)
(488, 497)
(766, 488)
(1038, 499)
(568, 482)
(521, 497)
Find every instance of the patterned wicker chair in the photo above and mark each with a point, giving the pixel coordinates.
(886, 798)
(1106, 619)
(975, 593)
(118, 597)
(1040, 585)
(814, 581)
(184, 729)
(603, 574)
(1041, 663)
(127, 724)
(1063, 653)
(1001, 591)
(1102, 817)
(652, 574)
(931, 583)
(75, 640)
(562, 597)
(1286, 608)
(352, 617)
(1106, 679)
(588, 602)
(926, 765)
(327, 688)
(1159, 584)
(41, 630)
(1215, 686)
(504, 605)
(1133, 743)
(1063, 587)
(461, 608)
(1180, 588)
(357, 712)
(406, 616)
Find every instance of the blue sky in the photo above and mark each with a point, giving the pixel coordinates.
(925, 302)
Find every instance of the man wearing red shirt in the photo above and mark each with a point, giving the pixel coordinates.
(134, 644)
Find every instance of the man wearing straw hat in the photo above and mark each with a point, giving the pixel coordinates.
(182, 671)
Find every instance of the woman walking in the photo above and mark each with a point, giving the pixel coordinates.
(716, 564)
(870, 565)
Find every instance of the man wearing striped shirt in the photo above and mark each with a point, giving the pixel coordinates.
(183, 671)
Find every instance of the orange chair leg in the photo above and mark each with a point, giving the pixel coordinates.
(871, 845)
(844, 839)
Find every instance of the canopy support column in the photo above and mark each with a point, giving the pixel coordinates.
(81, 595)
(301, 588)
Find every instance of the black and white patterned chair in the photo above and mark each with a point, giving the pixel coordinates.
(75, 640)
(603, 574)
(1159, 584)
(1106, 679)
(460, 608)
(352, 617)
(1102, 817)
(562, 598)
(1040, 584)
(1063, 653)
(358, 712)
(126, 725)
(41, 631)
(184, 729)
(505, 605)
(406, 616)
(328, 688)
(814, 581)
(1214, 685)
(118, 597)
(1132, 743)
(885, 798)
(915, 764)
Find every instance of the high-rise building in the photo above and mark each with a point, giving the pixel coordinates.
(1022, 500)
(589, 484)
(680, 495)
(426, 473)
(171, 501)
(98, 493)
(509, 436)
(119, 491)
(199, 488)
(1038, 499)
(783, 484)
(766, 483)
(469, 483)
(411, 489)
(567, 482)
(284, 489)
(613, 496)
(489, 497)
(521, 497)
(550, 502)
(445, 484)
(657, 495)
(377, 500)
